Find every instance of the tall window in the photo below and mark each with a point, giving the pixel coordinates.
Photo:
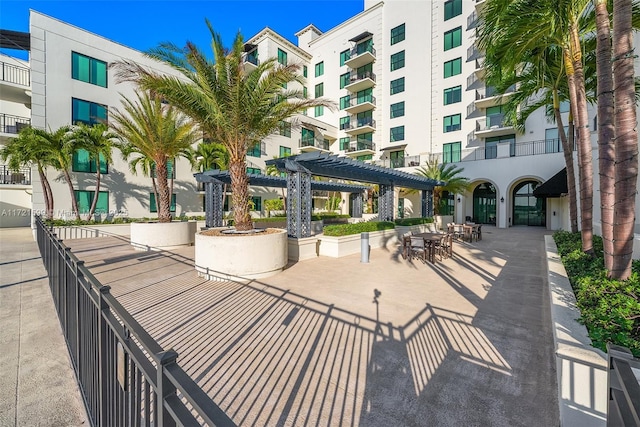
(85, 199)
(451, 152)
(365, 95)
(304, 71)
(396, 134)
(304, 91)
(397, 34)
(397, 60)
(397, 85)
(285, 129)
(397, 110)
(452, 8)
(282, 57)
(494, 116)
(319, 69)
(87, 69)
(285, 151)
(307, 136)
(318, 110)
(256, 203)
(153, 206)
(365, 46)
(344, 143)
(453, 67)
(452, 95)
(451, 123)
(453, 38)
(87, 112)
(344, 57)
(344, 122)
(345, 79)
(82, 162)
(256, 151)
(319, 90)
(397, 159)
(344, 102)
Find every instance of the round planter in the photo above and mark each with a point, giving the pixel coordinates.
(150, 236)
(241, 257)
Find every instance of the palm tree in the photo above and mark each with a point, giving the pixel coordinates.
(446, 172)
(155, 135)
(626, 134)
(98, 140)
(235, 107)
(26, 150)
(273, 171)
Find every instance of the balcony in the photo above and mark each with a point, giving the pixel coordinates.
(479, 67)
(472, 111)
(360, 148)
(361, 56)
(360, 81)
(15, 74)
(360, 126)
(11, 125)
(250, 61)
(515, 149)
(489, 97)
(492, 126)
(402, 162)
(360, 104)
(20, 176)
(472, 20)
(474, 53)
(313, 144)
(480, 5)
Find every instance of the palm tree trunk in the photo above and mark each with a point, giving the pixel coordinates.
(96, 193)
(240, 194)
(163, 198)
(626, 145)
(74, 201)
(46, 189)
(606, 131)
(155, 191)
(567, 150)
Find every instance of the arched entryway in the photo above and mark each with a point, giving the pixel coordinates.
(484, 203)
(527, 208)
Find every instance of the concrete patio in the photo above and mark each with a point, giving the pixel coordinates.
(466, 341)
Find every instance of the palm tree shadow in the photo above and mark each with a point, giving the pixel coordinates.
(120, 190)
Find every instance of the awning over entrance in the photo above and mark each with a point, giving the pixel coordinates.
(555, 186)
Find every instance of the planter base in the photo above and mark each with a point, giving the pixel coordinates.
(158, 236)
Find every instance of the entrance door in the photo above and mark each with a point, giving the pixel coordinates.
(484, 204)
(527, 208)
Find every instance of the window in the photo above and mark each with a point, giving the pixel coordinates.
(451, 152)
(397, 85)
(364, 157)
(451, 123)
(344, 79)
(397, 159)
(397, 60)
(253, 171)
(344, 143)
(397, 134)
(491, 145)
(153, 207)
(285, 151)
(319, 90)
(364, 118)
(318, 111)
(256, 151)
(452, 95)
(452, 8)
(285, 129)
(365, 95)
(87, 69)
(453, 38)
(397, 34)
(171, 173)
(304, 71)
(85, 199)
(494, 117)
(344, 102)
(344, 122)
(319, 69)
(453, 67)
(87, 112)
(82, 162)
(344, 57)
(256, 203)
(308, 137)
(397, 110)
(282, 57)
(365, 46)
(564, 106)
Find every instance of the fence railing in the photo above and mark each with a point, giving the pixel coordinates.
(624, 390)
(13, 124)
(125, 377)
(15, 74)
(20, 176)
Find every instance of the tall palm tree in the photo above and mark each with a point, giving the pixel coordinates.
(626, 134)
(28, 149)
(98, 140)
(446, 172)
(155, 135)
(235, 107)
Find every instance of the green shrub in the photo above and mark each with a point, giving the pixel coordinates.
(610, 309)
(328, 215)
(413, 221)
(347, 229)
(271, 219)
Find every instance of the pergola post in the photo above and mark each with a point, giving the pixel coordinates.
(385, 203)
(427, 203)
(358, 205)
(298, 204)
(213, 208)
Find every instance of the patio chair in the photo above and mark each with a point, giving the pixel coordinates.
(418, 248)
(440, 247)
(477, 233)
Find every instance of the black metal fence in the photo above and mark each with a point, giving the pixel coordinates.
(20, 176)
(624, 390)
(126, 378)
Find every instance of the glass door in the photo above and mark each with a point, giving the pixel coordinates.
(527, 208)
(484, 204)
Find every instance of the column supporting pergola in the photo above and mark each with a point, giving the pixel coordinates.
(299, 203)
(358, 204)
(385, 203)
(213, 209)
(427, 203)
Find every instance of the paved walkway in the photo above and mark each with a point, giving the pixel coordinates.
(37, 381)
(466, 341)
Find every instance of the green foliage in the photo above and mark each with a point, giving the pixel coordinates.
(328, 215)
(273, 205)
(347, 229)
(413, 221)
(610, 309)
(332, 203)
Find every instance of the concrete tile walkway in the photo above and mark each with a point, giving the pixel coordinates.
(36, 378)
(466, 341)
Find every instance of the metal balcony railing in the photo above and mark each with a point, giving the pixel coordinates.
(361, 145)
(356, 76)
(356, 123)
(358, 50)
(13, 124)
(361, 100)
(400, 162)
(15, 74)
(314, 142)
(472, 20)
(471, 80)
(494, 121)
(251, 59)
(20, 176)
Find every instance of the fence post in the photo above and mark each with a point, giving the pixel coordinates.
(103, 357)
(78, 291)
(165, 387)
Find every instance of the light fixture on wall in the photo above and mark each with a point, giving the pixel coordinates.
(459, 199)
(501, 199)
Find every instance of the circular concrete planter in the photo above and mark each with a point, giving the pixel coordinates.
(241, 258)
(150, 236)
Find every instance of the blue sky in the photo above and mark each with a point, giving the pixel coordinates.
(143, 24)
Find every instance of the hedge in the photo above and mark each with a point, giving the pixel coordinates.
(347, 229)
(413, 221)
(610, 309)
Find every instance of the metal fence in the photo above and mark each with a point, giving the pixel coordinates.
(13, 124)
(20, 176)
(124, 375)
(624, 390)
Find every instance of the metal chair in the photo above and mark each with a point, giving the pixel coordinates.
(418, 248)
